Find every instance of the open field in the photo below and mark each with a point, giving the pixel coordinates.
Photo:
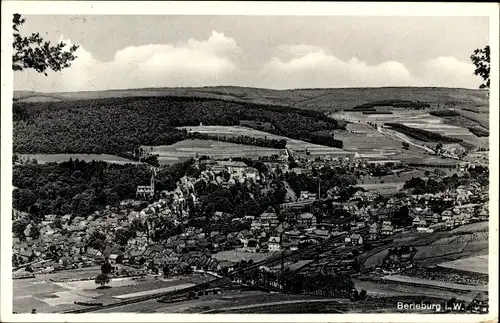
(389, 288)
(383, 187)
(480, 118)
(417, 119)
(153, 291)
(327, 100)
(58, 158)
(435, 283)
(229, 298)
(237, 255)
(382, 305)
(186, 149)
(48, 296)
(368, 143)
(297, 145)
(477, 264)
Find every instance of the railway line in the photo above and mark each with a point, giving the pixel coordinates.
(224, 281)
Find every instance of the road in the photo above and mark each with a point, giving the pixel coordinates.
(403, 138)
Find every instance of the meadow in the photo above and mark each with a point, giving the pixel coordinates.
(296, 145)
(417, 119)
(477, 264)
(187, 149)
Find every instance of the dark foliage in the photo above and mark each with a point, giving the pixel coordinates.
(405, 104)
(421, 134)
(105, 126)
(242, 140)
(444, 113)
(481, 59)
(75, 187)
(480, 132)
(34, 52)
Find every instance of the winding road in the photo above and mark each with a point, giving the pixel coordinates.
(398, 136)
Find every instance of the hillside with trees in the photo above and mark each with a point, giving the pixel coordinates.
(79, 187)
(118, 126)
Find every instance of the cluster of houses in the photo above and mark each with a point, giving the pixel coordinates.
(287, 228)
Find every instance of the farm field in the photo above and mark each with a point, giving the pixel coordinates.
(186, 149)
(297, 145)
(429, 282)
(481, 118)
(58, 158)
(435, 248)
(228, 298)
(368, 143)
(237, 255)
(389, 288)
(477, 264)
(416, 119)
(366, 140)
(48, 296)
(383, 187)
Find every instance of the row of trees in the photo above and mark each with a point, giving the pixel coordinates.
(242, 140)
(423, 135)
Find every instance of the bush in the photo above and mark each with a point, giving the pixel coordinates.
(102, 279)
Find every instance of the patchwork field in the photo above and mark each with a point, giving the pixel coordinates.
(58, 158)
(186, 149)
(297, 145)
(420, 120)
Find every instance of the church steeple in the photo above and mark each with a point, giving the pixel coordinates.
(153, 177)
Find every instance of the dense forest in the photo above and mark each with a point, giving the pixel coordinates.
(120, 125)
(423, 135)
(79, 188)
(402, 104)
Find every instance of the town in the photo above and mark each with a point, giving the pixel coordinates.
(168, 232)
(194, 164)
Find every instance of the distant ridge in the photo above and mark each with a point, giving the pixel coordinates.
(326, 100)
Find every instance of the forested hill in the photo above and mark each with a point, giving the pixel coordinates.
(119, 125)
(327, 100)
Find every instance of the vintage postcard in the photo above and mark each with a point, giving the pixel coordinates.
(233, 161)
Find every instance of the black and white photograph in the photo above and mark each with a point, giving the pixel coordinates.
(281, 162)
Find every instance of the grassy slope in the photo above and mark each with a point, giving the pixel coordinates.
(433, 248)
(316, 99)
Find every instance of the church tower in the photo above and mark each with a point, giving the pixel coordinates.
(153, 178)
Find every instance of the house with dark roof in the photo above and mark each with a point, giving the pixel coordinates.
(480, 303)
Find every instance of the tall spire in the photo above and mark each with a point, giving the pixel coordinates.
(319, 188)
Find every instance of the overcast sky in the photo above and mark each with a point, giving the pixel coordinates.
(118, 52)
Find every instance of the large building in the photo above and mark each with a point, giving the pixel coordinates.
(147, 191)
